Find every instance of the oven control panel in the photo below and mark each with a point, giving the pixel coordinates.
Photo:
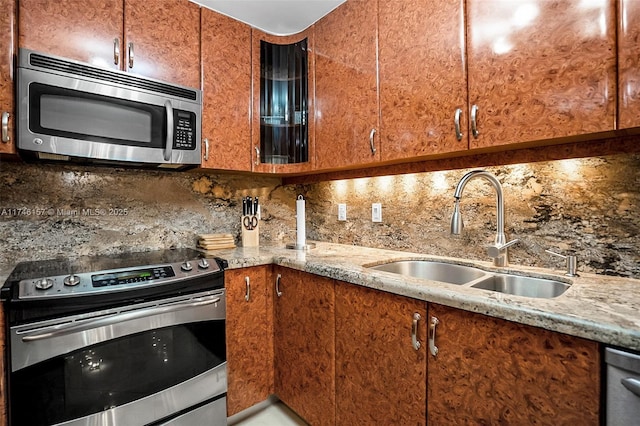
(84, 284)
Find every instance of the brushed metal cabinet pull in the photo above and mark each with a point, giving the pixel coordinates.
(247, 294)
(130, 55)
(474, 121)
(372, 136)
(432, 336)
(278, 292)
(116, 51)
(257, 155)
(414, 331)
(456, 120)
(206, 149)
(5, 127)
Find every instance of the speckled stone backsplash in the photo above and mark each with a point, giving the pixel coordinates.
(587, 206)
(52, 210)
(590, 207)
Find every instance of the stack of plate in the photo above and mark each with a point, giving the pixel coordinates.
(216, 241)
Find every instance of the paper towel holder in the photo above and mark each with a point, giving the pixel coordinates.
(300, 211)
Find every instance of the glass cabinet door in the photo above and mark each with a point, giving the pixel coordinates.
(284, 103)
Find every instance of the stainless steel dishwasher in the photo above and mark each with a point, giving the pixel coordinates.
(623, 388)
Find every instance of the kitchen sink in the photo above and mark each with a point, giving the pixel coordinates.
(523, 286)
(434, 271)
(475, 278)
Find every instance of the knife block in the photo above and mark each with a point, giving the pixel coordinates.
(250, 237)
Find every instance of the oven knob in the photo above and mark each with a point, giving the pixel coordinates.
(186, 266)
(203, 263)
(72, 280)
(44, 284)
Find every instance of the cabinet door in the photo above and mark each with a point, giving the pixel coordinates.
(249, 337)
(7, 48)
(165, 35)
(226, 97)
(422, 77)
(305, 345)
(380, 376)
(629, 63)
(491, 371)
(256, 37)
(540, 70)
(347, 86)
(87, 31)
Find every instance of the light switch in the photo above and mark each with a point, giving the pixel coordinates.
(342, 211)
(376, 212)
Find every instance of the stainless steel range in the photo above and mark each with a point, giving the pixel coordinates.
(136, 339)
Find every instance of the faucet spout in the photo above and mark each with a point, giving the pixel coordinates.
(499, 250)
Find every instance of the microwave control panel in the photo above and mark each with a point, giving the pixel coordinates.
(184, 130)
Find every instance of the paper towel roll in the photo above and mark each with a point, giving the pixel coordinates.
(301, 230)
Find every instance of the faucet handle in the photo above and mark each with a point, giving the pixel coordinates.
(571, 263)
(496, 250)
(499, 253)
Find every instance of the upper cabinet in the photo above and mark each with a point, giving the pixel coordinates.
(423, 86)
(163, 40)
(226, 92)
(540, 70)
(7, 76)
(283, 76)
(347, 108)
(85, 31)
(159, 39)
(628, 63)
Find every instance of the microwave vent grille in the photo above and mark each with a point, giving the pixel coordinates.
(57, 64)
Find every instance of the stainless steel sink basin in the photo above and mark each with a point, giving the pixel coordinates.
(523, 286)
(476, 278)
(431, 270)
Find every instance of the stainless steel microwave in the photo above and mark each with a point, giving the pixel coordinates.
(72, 111)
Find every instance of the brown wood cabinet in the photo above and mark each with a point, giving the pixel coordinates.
(347, 107)
(7, 76)
(491, 371)
(226, 82)
(249, 337)
(165, 35)
(422, 78)
(628, 63)
(540, 71)
(257, 36)
(380, 376)
(304, 322)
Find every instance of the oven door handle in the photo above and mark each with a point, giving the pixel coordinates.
(60, 330)
(169, 142)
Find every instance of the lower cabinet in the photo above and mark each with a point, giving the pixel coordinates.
(304, 306)
(380, 374)
(342, 354)
(491, 371)
(249, 337)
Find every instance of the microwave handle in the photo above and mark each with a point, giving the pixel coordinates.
(169, 142)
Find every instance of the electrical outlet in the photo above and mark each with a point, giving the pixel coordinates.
(342, 211)
(376, 212)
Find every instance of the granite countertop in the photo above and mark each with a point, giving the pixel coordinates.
(601, 308)
(596, 307)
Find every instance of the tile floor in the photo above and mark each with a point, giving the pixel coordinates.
(276, 414)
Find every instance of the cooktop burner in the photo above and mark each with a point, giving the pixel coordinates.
(109, 279)
(77, 265)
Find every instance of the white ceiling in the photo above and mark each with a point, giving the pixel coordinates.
(278, 17)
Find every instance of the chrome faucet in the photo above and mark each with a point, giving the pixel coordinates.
(498, 251)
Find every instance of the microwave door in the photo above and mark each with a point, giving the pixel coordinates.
(81, 118)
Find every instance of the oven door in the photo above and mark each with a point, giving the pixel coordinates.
(136, 365)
